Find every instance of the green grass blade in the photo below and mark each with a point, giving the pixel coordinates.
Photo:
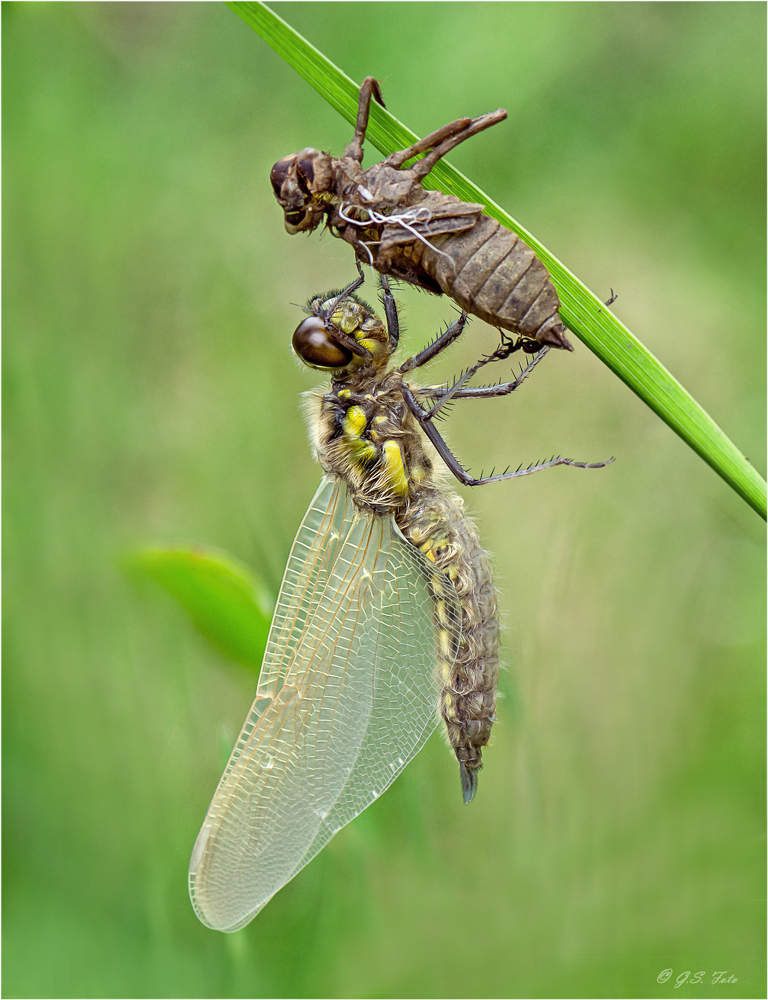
(581, 310)
(224, 600)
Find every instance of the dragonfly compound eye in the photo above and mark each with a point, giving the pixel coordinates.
(314, 344)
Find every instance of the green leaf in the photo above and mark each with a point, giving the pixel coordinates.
(581, 310)
(225, 601)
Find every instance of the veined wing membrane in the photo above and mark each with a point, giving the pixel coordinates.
(347, 696)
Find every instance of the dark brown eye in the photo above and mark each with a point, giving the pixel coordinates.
(317, 348)
(279, 172)
(306, 173)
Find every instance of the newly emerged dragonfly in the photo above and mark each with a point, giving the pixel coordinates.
(386, 618)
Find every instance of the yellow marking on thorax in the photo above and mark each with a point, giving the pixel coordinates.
(360, 451)
(392, 460)
(355, 422)
(377, 349)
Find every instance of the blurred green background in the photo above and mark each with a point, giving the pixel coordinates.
(151, 397)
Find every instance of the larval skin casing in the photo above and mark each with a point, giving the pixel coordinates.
(427, 238)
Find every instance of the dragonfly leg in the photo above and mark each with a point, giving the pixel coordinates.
(422, 416)
(370, 88)
(343, 338)
(501, 353)
(390, 312)
(444, 393)
(440, 343)
(347, 291)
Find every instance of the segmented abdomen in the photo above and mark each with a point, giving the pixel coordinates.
(469, 661)
(491, 273)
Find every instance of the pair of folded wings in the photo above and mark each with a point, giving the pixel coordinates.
(347, 696)
(437, 215)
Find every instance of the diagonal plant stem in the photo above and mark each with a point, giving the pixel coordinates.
(581, 310)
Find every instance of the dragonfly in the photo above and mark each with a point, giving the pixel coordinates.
(386, 622)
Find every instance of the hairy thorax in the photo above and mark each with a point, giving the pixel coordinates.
(370, 439)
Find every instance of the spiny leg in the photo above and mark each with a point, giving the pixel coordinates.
(347, 291)
(450, 460)
(501, 353)
(440, 343)
(370, 88)
(393, 328)
(390, 312)
(482, 391)
(343, 338)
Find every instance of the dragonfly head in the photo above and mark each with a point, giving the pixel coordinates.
(300, 182)
(341, 334)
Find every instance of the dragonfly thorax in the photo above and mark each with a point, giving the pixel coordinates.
(366, 435)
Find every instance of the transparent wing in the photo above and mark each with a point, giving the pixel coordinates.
(347, 696)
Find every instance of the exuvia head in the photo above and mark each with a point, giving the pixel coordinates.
(300, 181)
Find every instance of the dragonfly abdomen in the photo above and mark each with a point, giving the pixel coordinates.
(468, 657)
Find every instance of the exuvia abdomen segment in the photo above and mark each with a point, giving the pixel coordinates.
(491, 273)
